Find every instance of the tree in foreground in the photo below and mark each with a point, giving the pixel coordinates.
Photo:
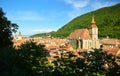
(29, 60)
(65, 65)
(6, 30)
(100, 63)
(33, 59)
(94, 63)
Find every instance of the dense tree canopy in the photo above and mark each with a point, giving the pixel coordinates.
(93, 63)
(100, 62)
(34, 58)
(29, 60)
(7, 28)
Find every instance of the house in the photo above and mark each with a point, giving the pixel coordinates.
(112, 46)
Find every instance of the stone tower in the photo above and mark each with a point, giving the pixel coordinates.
(94, 34)
(19, 35)
(93, 30)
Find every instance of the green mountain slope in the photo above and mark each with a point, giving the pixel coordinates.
(40, 35)
(107, 19)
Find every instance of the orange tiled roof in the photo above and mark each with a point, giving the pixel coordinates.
(111, 50)
(109, 41)
(82, 50)
(80, 33)
(52, 48)
(66, 48)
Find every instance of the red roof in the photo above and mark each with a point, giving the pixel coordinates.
(110, 41)
(111, 50)
(80, 34)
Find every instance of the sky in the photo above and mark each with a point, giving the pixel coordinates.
(38, 16)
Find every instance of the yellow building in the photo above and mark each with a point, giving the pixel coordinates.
(85, 38)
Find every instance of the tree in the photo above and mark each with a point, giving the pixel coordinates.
(33, 59)
(29, 60)
(7, 28)
(67, 64)
(94, 63)
(9, 63)
(100, 62)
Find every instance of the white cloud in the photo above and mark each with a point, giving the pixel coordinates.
(77, 4)
(98, 4)
(83, 6)
(42, 30)
(24, 15)
(73, 14)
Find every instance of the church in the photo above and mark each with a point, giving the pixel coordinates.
(85, 38)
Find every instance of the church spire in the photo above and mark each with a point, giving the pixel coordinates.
(93, 25)
(19, 34)
(93, 20)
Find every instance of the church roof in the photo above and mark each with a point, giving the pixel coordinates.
(80, 34)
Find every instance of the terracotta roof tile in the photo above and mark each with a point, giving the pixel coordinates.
(111, 50)
(82, 50)
(110, 41)
(80, 33)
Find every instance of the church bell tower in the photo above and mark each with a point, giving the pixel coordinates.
(19, 36)
(93, 30)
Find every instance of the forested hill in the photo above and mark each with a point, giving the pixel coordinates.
(107, 19)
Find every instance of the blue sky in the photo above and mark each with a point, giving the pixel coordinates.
(36, 16)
